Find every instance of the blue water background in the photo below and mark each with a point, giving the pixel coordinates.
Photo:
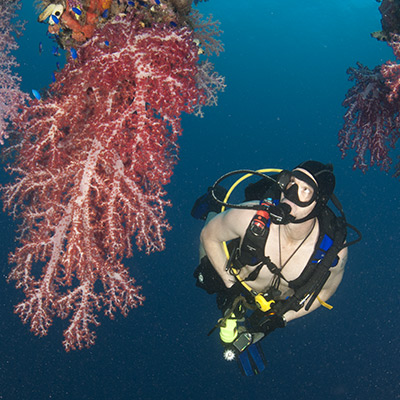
(285, 66)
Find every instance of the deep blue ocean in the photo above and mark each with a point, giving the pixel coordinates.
(285, 66)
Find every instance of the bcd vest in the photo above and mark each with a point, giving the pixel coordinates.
(331, 239)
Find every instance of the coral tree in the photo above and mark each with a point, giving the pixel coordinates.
(10, 93)
(372, 121)
(92, 160)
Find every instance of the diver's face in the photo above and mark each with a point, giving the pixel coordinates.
(303, 190)
(299, 191)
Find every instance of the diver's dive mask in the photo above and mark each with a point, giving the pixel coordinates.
(298, 195)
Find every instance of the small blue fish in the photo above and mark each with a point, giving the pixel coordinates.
(105, 13)
(107, 43)
(58, 66)
(173, 24)
(55, 19)
(76, 10)
(36, 94)
(40, 48)
(131, 3)
(74, 54)
(55, 51)
(158, 2)
(53, 77)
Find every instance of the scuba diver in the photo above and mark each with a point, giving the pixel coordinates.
(274, 258)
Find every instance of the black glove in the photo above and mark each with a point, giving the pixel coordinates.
(266, 322)
(226, 296)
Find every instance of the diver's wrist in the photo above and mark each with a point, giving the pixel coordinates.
(229, 282)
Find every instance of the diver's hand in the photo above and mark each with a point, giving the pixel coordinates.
(234, 290)
(266, 322)
(226, 297)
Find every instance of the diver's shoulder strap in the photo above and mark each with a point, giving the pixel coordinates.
(313, 278)
(251, 251)
(332, 234)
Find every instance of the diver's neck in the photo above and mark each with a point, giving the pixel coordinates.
(297, 232)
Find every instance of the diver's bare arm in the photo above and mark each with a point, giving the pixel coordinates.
(328, 290)
(223, 227)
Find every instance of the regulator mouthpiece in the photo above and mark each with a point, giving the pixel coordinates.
(280, 214)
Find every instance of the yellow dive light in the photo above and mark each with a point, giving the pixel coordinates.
(229, 333)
